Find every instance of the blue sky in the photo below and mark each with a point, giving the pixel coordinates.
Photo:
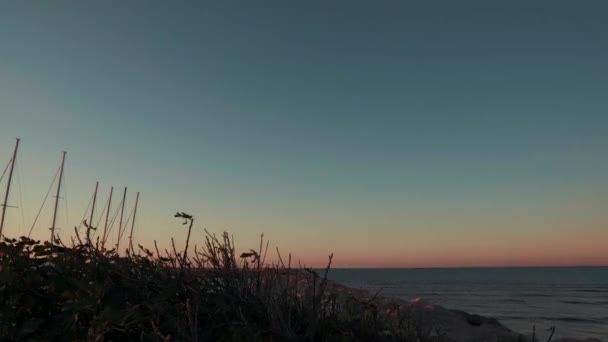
(409, 133)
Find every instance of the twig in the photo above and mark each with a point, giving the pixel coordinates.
(552, 329)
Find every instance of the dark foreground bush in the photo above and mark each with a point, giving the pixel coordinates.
(86, 293)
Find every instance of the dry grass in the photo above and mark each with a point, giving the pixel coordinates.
(85, 292)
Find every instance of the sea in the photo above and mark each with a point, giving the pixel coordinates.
(574, 300)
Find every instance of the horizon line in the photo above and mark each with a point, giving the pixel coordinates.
(459, 267)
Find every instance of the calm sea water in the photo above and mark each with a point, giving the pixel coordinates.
(574, 300)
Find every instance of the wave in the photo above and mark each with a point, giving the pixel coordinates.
(536, 295)
(578, 302)
(511, 300)
(558, 319)
(592, 290)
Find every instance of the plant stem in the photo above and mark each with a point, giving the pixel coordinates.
(188, 240)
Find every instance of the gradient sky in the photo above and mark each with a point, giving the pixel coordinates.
(392, 133)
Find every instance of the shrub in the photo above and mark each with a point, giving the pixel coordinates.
(84, 292)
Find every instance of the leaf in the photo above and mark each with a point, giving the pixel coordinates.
(30, 326)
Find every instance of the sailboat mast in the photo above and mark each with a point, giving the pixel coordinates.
(92, 212)
(122, 211)
(105, 227)
(57, 197)
(133, 222)
(8, 186)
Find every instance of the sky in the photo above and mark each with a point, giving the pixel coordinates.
(393, 133)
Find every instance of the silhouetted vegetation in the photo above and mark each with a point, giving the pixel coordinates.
(84, 292)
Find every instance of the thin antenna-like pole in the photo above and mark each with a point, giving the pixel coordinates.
(105, 227)
(8, 186)
(133, 222)
(57, 197)
(92, 212)
(122, 211)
